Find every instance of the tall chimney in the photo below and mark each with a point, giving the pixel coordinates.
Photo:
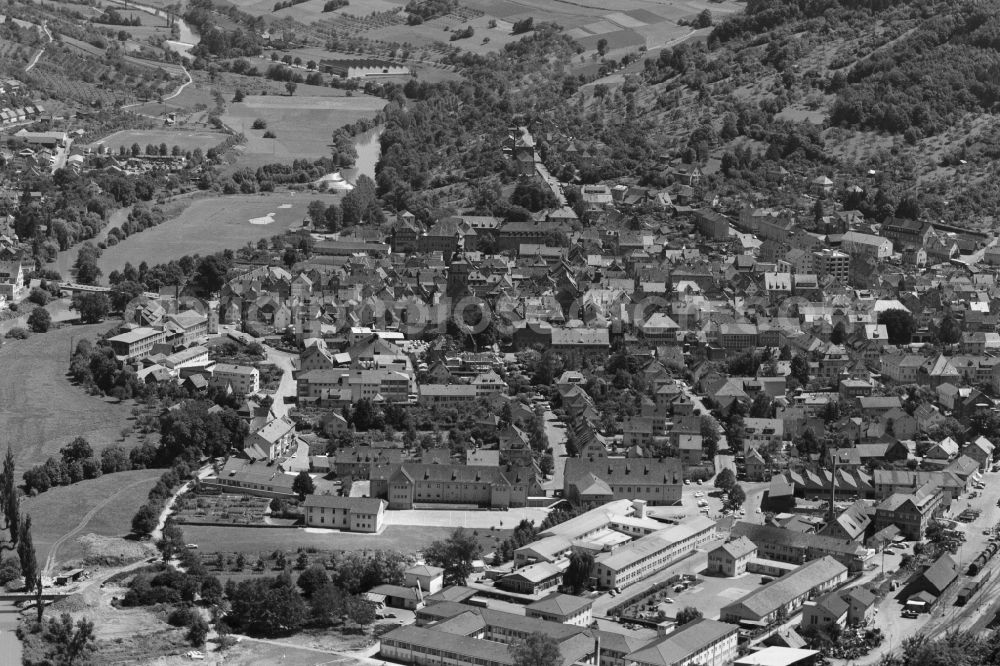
(833, 489)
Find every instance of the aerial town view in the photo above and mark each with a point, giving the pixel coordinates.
(500, 332)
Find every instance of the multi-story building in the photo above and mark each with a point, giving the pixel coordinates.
(855, 243)
(833, 263)
(760, 433)
(423, 483)
(911, 513)
(240, 379)
(652, 553)
(271, 441)
(350, 514)
(136, 344)
(738, 336)
(590, 482)
(731, 558)
(785, 545)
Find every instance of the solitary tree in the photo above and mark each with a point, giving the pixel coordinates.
(26, 553)
(39, 320)
(455, 555)
(290, 86)
(145, 519)
(537, 649)
(303, 485)
(736, 498)
(725, 480)
(11, 500)
(578, 572)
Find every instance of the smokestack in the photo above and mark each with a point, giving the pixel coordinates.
(833, 489)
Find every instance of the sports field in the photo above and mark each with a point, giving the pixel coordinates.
(184, 139)
(209, 225)
(302, 125)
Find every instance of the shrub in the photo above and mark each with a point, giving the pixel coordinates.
(181, 617)
(259, 124)
(39, 296)
(18, 333)
(270, 135)
(10, 569)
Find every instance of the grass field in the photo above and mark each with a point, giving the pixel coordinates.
(40, 410)
(206, 226)
(251, 540)
(60, 511)
(185, 139)
(302, 125)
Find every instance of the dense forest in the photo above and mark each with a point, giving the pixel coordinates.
(216, 41)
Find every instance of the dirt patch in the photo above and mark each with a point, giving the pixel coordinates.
(113, 551)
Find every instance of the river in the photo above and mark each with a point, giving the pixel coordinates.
(369, 150)
(186, 38)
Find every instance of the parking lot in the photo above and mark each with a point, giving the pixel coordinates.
(712, 593)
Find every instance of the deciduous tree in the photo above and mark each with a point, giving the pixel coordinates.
(455, 555)
(537, 649)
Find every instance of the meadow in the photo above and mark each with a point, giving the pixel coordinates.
(209, 225)
(40, 410)
(102, 506)
(302, 125)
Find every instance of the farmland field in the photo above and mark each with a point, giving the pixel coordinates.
(631, 23)
(59, 511)
(312, 10)
(40, 410)
(302, 125)
(185, 139)
(209, 225)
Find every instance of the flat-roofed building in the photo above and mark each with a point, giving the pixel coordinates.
(136, 344)
(650, 554)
